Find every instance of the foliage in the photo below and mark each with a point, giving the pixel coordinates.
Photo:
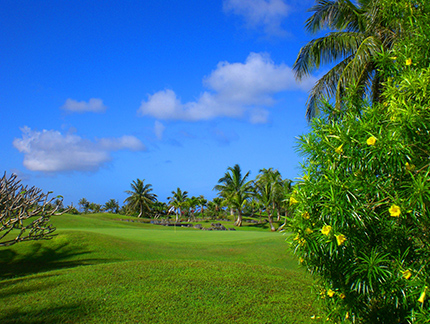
(360, 31)
(235, 189)
(25, 212)
(84, 204)
(270, 190)
(111, 206)
(141, 197)
(361, 224)
(178, 201)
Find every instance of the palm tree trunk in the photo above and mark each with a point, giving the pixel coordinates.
(239, 218)
(272, 228)
(141, 211)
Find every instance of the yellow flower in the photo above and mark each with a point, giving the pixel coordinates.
(330, 293)
(406, 274)
(309, 231)
(342, 295)
(293, 201)
(408, 61)
(422, 296)
(297, 237)
(339, 149)
(347, 315)
(302, 242)
(371, 140)
(301, 260)
(409, 167)
(394, 211)
(340, 239)
(306, 215)
(326, 229)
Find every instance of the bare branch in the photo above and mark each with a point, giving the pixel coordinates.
(19, 204)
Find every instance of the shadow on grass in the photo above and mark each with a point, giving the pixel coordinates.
(69, 313)
(42, 258)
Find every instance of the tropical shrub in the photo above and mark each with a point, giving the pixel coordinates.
(362, 222)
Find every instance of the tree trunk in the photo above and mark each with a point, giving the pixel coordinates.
(272, 228)
(141, 211)
(239, 218)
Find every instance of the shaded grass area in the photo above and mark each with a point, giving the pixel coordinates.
(134, 273)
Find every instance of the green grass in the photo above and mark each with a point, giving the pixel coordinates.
(100, 270)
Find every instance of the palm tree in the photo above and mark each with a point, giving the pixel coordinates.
(202, 203)
(159, 208)
(214, 207)
(235, 189)
(178, 201)
(140, 196)
(94, 208)
(268, 190)
(264, 193)
(84, 204)
(360, 33)
(111, 206)
(190, 205)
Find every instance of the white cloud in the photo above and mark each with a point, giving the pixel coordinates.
(93, 105)
(159, 129)
(266, 13)
(51, 151)
(237, 90)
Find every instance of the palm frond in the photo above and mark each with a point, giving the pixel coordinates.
(328, 49)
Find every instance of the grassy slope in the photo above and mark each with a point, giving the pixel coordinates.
(98, 270)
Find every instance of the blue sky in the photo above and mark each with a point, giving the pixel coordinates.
(95, 94)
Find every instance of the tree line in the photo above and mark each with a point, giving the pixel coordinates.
(268, 194)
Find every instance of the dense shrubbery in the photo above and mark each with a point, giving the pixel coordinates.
(362, 220)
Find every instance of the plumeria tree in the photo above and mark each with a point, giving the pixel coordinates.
(362, 207)
(25, 212)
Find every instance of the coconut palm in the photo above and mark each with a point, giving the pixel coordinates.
(190, 205)
(235, 189)
(178, 201)
(359, 34)
(202, 202)
(84, 205)
(111, 206)
(141, 196)
(159, 208)
(268, 190)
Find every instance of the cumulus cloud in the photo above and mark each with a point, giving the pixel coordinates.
(159, 129)
(93, 105)
(268, 14)
(236, 90)
(51, 151)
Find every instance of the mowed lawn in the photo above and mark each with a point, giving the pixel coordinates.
(99, 269)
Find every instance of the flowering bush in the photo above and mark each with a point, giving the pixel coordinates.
(362, 223)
